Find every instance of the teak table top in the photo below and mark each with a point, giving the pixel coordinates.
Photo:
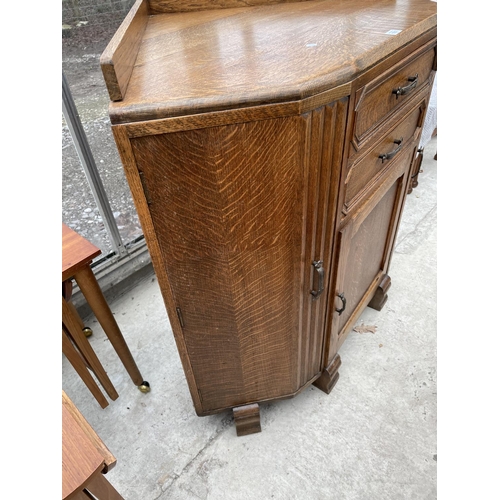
(81, 461)
(77, 252)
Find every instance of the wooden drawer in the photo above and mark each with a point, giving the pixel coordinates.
(387, 93)
(366, 171)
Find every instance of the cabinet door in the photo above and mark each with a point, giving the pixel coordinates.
(240, 213)
(363, 250)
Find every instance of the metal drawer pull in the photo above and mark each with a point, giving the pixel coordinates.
(344, 302)
(404, 90)
(318, 265)
(394, 152)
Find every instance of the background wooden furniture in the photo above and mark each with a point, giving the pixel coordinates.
(269, 150)
(85, 458)
(429, 130)
(77, 255)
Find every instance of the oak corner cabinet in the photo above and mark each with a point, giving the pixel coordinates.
(269, 146)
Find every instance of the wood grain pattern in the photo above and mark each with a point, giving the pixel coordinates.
(380, 297)
(100, 488)
(80, 460)
(117, 60)
(235, 260)
(366, 246)
(357, 150)
(234, 116)
(219, 59)
(329, 376)
(163, 6)
(77, 362)
(92, 292)
(109, 458)
(85, 458)
(366, 251)
(133, 178)
(234, 253)
(247, 419)
(75, 333)
(326, 134)
(364, 173)
(375, 101)
(247, 137)
(77, 252)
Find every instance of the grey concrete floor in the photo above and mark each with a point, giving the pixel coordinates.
(373, 437)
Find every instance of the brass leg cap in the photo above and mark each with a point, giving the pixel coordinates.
(144, 387)
(87, 331)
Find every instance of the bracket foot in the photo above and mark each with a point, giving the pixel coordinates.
(380, 298)
(330, 375)
(247, 419)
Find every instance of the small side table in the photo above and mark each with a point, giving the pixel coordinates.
(85, 458)
(77, 255)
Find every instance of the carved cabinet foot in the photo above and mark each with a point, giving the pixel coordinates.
(380, 297)
(327, 380)
(247, 419)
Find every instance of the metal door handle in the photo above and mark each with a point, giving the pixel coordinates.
(318, 266)
(344, 302)
(404, 90)
(394, 152)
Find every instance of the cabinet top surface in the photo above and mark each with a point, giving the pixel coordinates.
(195, 62)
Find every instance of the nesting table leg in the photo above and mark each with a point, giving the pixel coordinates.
(78, 364)
(73, 328)
(100, 487)
(92, 292)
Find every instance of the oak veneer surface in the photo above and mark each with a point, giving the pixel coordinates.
(366, 253)
(162, 6)
(251, 138)
(236, 264)
(194, 62)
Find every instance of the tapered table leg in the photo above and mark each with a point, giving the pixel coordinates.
(100, 487)
(71, 324)
(78, 364)
(92, 292)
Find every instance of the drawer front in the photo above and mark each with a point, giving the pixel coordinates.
(363, 174)
(389, 92)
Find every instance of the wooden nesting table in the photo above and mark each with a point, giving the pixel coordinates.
(77, 255)
(85, 458)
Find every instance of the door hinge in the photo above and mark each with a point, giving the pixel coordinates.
(179, 315)
(145, 188)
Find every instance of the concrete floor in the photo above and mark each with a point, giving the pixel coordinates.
(373, 437)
